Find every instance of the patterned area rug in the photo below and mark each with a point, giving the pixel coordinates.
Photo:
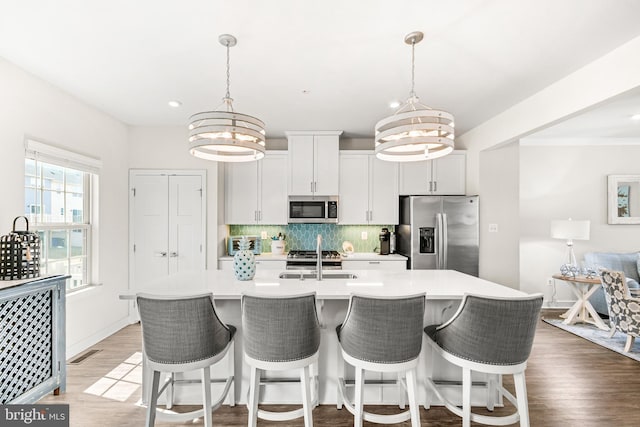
(600, 337)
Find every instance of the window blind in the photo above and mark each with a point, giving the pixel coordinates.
(48, 153)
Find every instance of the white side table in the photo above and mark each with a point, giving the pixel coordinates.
(582, 311)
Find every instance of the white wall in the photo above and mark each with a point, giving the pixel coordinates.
(499, 205)
(569, 181)
(35, 108)
(166, 148)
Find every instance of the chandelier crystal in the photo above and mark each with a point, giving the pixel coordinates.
(224, 135)
(415, 131)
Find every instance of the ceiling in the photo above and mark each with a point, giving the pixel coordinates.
(301, 65)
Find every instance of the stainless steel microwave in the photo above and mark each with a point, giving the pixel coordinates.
(313, 209)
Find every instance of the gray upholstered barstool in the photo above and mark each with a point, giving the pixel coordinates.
(493, 336)
(382, 335)
(280, 333)
(181, 334)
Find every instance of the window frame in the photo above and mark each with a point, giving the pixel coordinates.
(41, 153)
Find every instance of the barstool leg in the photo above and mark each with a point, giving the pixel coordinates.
(231, 354)
(414, 409)
(466, 397)
(521, 396)
(254, 392)
(359, 397)
(170, 390)
(206, 395)
(153, 399)
(340, 373)
(400, 382)
(306, 396)
(492, 380)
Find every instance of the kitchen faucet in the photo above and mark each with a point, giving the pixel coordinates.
(319, 256)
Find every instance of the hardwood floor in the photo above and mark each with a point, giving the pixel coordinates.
(570, 381)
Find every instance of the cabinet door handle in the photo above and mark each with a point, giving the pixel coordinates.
(173, 254)
(435, 185)
(161, 254)
(260, 215)
(312, 186)
(430, 186)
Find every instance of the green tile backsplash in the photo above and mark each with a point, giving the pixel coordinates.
(303, 236)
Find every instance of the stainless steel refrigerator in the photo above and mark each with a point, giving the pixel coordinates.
(439, 232)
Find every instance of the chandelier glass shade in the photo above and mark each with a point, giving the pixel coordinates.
(415, 131)
(224, 135)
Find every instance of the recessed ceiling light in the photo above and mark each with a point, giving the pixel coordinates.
(635, 117)
(394, 104)
(175, 104)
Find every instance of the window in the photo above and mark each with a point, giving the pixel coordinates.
(58, 196)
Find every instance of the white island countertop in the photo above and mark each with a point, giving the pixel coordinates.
(437, 284)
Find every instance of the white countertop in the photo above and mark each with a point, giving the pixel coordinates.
(356, 256)
(373, 256)
(262, 257)
(438, 284)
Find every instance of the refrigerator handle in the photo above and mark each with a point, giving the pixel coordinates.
(445, 245)
(438, 237)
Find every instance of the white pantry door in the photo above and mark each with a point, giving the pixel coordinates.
(167, 231)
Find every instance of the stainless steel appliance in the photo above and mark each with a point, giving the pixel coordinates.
(313, 209)
(255, 244)
(439, 232)
(392, 242)
(307, 260)
(385, 242)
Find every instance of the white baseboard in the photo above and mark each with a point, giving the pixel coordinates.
(558, 304)
(77, 348)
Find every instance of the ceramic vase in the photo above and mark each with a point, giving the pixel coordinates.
(244, 261)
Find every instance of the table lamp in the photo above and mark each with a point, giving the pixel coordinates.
(570, 230)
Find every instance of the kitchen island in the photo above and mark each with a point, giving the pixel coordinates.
(444, 289)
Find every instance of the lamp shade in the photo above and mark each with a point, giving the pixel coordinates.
(568, 229)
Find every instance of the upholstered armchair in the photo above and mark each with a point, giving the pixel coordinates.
(624, 310)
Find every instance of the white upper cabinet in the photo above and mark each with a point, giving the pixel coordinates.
(353, 205)
(313, 163)
(368, 189)
(443, 176)
(256, 192)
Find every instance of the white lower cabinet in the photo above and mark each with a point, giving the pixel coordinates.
(396, 264)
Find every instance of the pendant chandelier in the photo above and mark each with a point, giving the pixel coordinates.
(224, 135)
(415, 131)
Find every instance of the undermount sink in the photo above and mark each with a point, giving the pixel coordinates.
(325, 275)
